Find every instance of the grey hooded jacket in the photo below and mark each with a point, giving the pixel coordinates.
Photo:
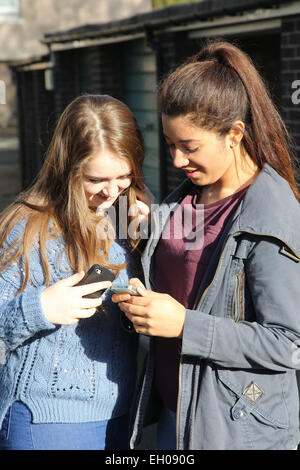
(237, 381)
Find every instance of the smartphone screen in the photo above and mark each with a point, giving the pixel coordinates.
(124, 289)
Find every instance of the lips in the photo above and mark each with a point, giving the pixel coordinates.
(190, 172)
(105, 198)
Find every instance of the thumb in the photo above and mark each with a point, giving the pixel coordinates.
(134, 281)
(72, 280)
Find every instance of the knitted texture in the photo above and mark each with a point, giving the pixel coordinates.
(78, 373)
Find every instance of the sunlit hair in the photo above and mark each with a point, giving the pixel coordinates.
(219, 86)
(57, 199)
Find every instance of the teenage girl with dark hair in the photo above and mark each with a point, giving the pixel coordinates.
(224, 316)
(68, 374)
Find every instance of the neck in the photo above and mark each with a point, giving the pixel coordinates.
(238, 177)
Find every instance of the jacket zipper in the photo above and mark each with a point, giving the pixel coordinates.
(177, 405)
(180, 363)
(237, 313)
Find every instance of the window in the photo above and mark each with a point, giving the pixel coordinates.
(9, 11)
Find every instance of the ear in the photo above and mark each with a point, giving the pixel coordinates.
(236, 133)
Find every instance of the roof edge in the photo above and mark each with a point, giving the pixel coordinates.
(158, 19)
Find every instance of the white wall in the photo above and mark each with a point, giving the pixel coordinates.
(21, 40)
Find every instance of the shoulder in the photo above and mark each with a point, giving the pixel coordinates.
(270, 209)
(17, 232)
(14, 271)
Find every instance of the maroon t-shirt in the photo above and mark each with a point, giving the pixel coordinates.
(181, 258)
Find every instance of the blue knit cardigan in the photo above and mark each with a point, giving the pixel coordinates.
(64, 374)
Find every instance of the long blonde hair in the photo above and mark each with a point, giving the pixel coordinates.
(57, 196)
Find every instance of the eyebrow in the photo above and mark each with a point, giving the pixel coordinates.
(106, 178)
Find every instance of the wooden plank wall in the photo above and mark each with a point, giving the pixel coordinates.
(139, 93)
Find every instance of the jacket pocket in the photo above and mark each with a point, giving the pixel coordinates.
(258, 395)
(238, 301)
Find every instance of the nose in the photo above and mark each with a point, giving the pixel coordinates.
(180, 159)
(111, 189)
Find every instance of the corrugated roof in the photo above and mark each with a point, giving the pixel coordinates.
(161, 18)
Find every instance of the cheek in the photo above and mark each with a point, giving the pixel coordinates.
(125, 183)
(91, 188)
(216, 157)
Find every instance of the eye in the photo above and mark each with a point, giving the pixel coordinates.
(125, 177)
(91, 180)
(191, 150)
(171, 147)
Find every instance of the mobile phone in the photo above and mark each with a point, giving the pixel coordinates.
(126, 323)
(96, 273)
(124, 289)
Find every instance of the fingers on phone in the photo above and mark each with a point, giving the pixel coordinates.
(93, 287)
(134, 281)
(116, 298)
(89, 303)
(83, 313)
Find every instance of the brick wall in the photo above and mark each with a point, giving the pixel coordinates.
(108, 70)
(65, 79)
(99, 70)
(290, 75)
(175, 48)
(36, 115)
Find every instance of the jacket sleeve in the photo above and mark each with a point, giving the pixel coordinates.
(269, 342)
(21, 316)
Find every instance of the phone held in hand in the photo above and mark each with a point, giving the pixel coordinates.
(96, 273)
(125, 289)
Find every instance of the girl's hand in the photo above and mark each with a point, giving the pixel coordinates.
(62, 303)
(144, 201)
(152, 313)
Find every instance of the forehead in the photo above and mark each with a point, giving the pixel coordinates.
(183, 129)
(106, 164)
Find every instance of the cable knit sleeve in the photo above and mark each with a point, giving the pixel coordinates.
(21, 315)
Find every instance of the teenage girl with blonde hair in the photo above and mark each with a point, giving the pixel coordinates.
(67, 378)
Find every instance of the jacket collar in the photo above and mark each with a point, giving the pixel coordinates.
(269, 208)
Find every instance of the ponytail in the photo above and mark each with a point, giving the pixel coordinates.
(220, 85)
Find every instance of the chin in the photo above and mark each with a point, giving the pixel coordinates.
(199, 181)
